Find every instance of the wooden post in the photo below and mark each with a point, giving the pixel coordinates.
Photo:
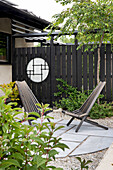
(51, 41)
(13, 58)
(76, 45)
(52, 70)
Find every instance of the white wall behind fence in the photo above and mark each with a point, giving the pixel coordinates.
(5, 74)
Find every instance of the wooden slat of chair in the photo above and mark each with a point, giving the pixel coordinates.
(30, 104)
(25, 97)
(28, 99)
(91, 98)
(30, 91)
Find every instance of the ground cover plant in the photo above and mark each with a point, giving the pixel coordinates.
(26, 147)
(69, 98)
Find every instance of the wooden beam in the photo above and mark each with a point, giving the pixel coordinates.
(21, 23)
(22, 28)
(43, 34)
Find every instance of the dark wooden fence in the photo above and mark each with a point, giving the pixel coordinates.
(77, 67)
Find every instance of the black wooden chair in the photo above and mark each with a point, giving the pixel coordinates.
(28, 99)
(84, 110)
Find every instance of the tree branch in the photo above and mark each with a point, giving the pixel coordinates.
(101, 40)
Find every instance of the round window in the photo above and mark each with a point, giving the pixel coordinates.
(37, 69)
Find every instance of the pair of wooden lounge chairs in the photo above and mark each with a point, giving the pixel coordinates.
(29, 102)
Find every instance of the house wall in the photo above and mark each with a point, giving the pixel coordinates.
(6, 70)
(5, 74)
(5, 25)
(20, 42)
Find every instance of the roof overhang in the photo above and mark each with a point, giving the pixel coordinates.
(12, 12)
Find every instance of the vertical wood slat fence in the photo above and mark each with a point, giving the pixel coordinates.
(77, 67)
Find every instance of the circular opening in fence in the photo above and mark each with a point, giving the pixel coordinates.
(37, 69)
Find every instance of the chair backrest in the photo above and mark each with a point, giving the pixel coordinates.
(88, 104)
(27, 97)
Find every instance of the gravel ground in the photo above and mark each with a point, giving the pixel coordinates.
(71, 163)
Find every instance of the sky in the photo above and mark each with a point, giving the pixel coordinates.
(44, 9)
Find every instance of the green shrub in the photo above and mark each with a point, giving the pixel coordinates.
(69, 98)
(101, 110)
(14, 94)
(72, 99)
(26, 147)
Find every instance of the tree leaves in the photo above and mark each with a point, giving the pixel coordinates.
(86, 16)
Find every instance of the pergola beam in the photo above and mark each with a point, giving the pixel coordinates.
(43, 34)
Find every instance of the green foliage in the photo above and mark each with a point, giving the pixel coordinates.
(38, 45)
(23, 146)
(86, 17)
(92, 19)
(102, 110)
(83, 163)
(72, 99)
(66, 39)
(2, 52)
(14, 93)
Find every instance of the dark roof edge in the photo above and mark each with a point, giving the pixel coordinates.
(23, 15)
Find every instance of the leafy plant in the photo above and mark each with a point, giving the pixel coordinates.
(23, 146)
(83, 163)
(102, 110)
(14, 93)
(72, 99)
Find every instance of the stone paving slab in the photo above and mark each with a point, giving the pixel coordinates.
(38, 121)
(71, 145)
(93, 130)
(65, 127)
(62, 130)
(93, 144)
(73, 137)
(74, 122)
(45, 120)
